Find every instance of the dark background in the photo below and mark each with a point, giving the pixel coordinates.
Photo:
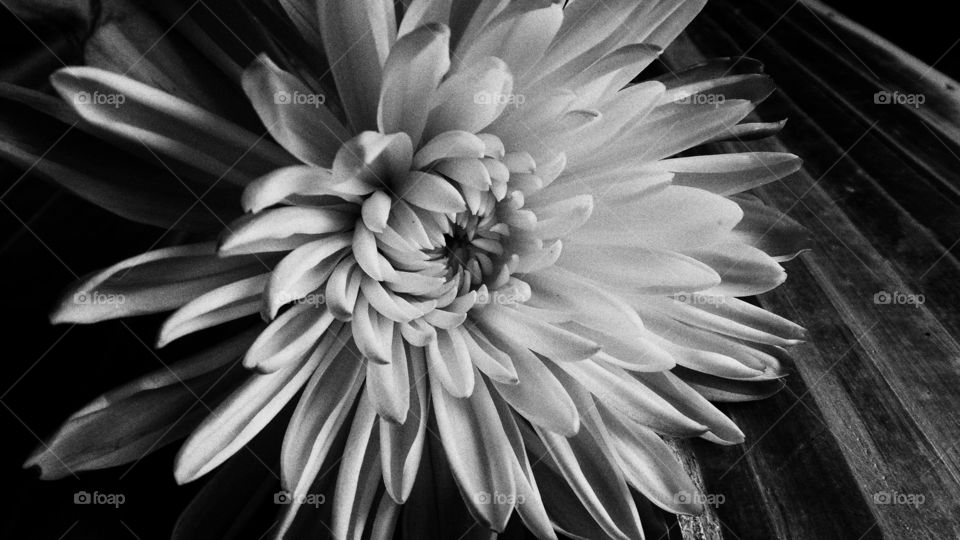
(52, 371)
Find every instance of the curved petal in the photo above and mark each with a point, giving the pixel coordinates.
(470, 99)
(168, 125)
(411, 74)
(401, 445)
(143, 415)
(152, 282)
(477, 448)
(357, 37)
(294, 114)
(239, 418)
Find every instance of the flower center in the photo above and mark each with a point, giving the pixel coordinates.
(474, 247)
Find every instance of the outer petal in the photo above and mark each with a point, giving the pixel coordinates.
(477, 448)
(130, 421)
(238, 419)
(411, 75)
(152, 282)
(293, 113)
(357, 37)
(168, 125)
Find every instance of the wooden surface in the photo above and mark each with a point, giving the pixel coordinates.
(862, 442)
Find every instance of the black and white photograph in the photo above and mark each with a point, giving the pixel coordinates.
(480, 270)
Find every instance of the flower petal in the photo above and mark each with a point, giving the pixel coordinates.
(168, 125)
(239, 418)
(649, 465)
(768, 229)
(449, 365)
(477, 448)
(401, 445)
(619, 390)
(728, 174)
(674, 218)
(266, 231)
(387, 385)
(294, 114)
(423, 12)
(538, 396)
(743, 270)
(587, 462)
(371, 332)
(490, 360)
(431, 192)
(290, 337)
(143, 415)
(301, 271)
(519, 35)
(282, 185)
(471, 98)
(223, 304)
(358, 477)
(651, 271)
(541, 337)
(411, 74)
(357, 37)
(152, 282)
(324, 407)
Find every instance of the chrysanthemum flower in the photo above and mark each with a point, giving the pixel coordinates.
(481, 241)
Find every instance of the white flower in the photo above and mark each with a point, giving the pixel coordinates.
(480, 242)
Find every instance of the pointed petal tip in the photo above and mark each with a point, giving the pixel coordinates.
(61, 77)
(57, 316)
(182, 474)
(162, 340)
(397, 418)
(34, 467)
(692, 508)
(33, 462)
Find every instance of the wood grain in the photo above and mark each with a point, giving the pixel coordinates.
(864, 442)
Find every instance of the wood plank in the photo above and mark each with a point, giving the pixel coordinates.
(882, 378)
